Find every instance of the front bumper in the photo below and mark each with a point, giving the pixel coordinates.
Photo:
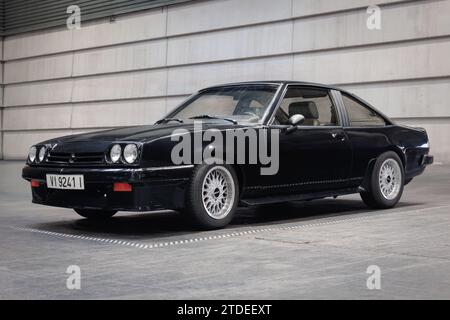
(152, 188)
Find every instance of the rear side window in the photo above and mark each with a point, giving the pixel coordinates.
(361, 116)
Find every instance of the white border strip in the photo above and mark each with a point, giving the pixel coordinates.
(213, 237)
(184, 241)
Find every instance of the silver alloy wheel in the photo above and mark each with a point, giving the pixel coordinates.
(390, 179)
(218, 192)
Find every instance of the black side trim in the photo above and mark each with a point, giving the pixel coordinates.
(297, 197)
(297, 184)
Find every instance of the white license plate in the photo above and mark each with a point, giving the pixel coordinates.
(64, 181)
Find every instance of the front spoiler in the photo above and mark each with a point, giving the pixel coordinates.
(153, 188)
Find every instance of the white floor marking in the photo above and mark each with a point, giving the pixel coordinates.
(227, 235)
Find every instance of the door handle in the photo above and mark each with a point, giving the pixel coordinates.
(338, 136)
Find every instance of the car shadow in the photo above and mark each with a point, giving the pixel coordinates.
(146, 226)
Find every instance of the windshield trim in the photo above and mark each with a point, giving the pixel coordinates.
(194, 96)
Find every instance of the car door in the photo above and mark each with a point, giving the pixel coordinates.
(315, 156)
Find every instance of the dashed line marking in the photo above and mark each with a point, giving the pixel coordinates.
(179, 242)
(213, 237)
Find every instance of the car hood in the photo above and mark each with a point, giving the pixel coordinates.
(131, 134)
(99, 140)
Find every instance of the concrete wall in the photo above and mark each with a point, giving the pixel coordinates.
(133, 70)
(1, 97)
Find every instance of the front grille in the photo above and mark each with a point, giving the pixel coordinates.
(75, 158)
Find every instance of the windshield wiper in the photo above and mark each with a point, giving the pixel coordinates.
(165, 120)
(207, 116)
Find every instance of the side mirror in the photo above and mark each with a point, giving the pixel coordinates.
(294, 121)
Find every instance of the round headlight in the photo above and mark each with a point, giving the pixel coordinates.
(32, 154)
(115, 153)
(42, 153)
(130, 153)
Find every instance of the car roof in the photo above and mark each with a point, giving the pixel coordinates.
(303, 83)
(277, 82)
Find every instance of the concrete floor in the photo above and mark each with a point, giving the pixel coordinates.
(318, 250)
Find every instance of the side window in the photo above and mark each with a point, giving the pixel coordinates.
(359, 115)
(314, 104)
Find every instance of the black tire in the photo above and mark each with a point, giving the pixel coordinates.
(195, 210)
(92, 214)
(374, 196)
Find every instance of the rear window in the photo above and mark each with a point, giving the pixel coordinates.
(361, 116)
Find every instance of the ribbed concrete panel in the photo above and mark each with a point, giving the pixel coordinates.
(120, 113)
(314, 7)
(56, 91)
(121, 86)
(42, 117)
(173, 102)
(410, 21)
(122, 58)
(144, 26)
(245, 42)
(139, 27)
(38, 43)
(208, 15)
(184, 80)
(428, 59)
(408, 99)
(1, 133)
(231, 44)
(131, 85)
(88, 115)
(51, 67)
(1, 114)
(19, 16)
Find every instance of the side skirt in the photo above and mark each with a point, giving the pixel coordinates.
(297, 197)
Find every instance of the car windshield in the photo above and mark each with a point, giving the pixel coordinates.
(241, 103)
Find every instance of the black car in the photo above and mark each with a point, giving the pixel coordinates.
(237, 144)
